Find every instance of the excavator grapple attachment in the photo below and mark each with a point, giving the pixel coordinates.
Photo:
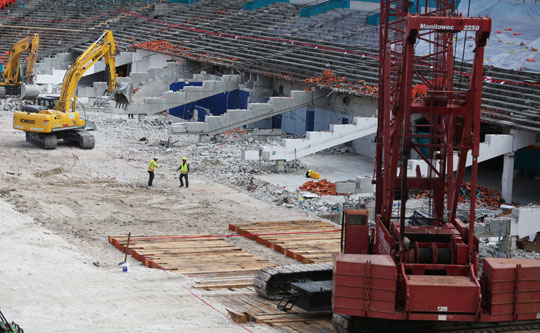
(122, 94)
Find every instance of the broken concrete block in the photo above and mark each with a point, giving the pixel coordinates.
(345, 187)
(250, 155)
(364, 185)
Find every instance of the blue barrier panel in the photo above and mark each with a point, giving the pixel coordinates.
(528, 158)
(375, 19)
(324, 7)
(216, 105)
(260, 3)
(184, 1)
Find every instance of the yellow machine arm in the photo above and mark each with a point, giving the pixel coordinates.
(11, 71)
(103, 47)
(32, 57)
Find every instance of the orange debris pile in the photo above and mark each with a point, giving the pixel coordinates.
(235, 131)
(322, 187)
(485, 196)
(328, 79)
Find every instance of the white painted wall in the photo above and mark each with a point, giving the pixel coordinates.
(57, 77)
(526, 222)
(144, 60)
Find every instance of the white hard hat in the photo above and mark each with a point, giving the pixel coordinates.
(155, 157)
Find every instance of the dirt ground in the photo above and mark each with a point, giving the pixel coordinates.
(57, 270)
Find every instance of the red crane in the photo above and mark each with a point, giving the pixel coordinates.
(428, 271)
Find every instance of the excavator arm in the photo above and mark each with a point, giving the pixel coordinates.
(104, 47)
(32, 57)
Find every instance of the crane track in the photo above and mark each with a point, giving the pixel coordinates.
(343, 324)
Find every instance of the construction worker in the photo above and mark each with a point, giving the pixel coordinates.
(184, 171)
(151, 167)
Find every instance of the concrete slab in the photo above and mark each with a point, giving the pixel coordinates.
(345, 187)
(332, 167)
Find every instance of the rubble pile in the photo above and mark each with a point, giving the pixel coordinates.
(12, 104)
(486, 197)
(322, 187)
(220, 160)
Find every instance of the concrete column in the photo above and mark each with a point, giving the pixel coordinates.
(508, 177)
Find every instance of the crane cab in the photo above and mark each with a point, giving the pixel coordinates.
(356, 231)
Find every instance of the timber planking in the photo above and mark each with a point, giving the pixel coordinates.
(214, 262)
(308, 241)
(249, 307)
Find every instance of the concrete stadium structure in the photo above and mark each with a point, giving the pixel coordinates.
(310, 76)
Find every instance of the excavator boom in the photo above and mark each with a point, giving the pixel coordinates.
(104, 47)
(32, 57)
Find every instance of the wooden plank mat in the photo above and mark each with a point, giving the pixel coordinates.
(249, 307)
(214, 262)
(308, 241)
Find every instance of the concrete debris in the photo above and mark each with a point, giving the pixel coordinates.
(13, 104)
(345, 187)
(220, 159)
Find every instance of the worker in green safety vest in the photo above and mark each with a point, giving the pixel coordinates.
(184, 171)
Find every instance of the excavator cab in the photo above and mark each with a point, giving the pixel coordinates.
(49, 102)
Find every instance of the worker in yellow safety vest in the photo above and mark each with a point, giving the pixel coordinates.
(151, 167)
(184, 171)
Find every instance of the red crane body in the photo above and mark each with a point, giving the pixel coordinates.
(429, 271)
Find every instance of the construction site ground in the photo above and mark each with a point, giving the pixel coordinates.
(57, 208)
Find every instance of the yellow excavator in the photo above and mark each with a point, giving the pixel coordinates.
(11, 76)
(45, 127)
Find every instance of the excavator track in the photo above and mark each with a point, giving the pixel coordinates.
(348, 324)
(273, 282)
(80, 137)
(85, 139)
(44, 141)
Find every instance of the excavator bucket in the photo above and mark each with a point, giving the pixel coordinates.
(122, 94)
(29, 91)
